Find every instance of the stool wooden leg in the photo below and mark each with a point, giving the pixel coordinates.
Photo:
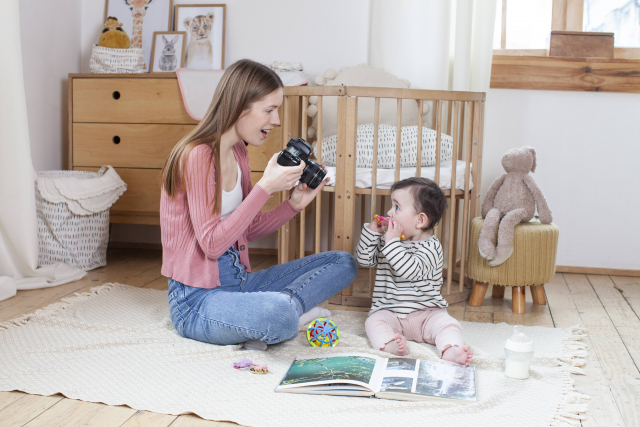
(477, 295)
(517, 295)
(497, 291)
(537, 294)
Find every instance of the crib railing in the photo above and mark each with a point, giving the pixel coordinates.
(464, 118)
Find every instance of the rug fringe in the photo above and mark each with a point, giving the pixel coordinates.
(56, 307)
(572, 408)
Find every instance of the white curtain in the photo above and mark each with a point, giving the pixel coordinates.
(435, 44)
(18, 226)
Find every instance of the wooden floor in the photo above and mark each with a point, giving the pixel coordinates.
(609, 306)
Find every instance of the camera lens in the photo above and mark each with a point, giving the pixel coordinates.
(313, 174)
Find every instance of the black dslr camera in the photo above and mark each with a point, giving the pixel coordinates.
(298, 150)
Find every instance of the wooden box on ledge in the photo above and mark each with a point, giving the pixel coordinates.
(577, 44)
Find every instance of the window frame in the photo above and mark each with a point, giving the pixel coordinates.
(566, 15)
(535, 69)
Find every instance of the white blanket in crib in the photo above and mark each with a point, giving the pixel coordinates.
(386, 177)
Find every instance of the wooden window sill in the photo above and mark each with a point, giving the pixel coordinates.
(560, 73)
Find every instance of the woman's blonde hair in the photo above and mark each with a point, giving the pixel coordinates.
(242, 84)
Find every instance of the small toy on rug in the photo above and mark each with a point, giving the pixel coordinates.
(384, 223)
(259, 369)
(323, 332)
(255, 368)
(511, 200)
(113, 35)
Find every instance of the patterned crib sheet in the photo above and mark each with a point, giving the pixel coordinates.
(387, 147)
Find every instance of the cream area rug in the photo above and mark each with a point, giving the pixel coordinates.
(116, 345)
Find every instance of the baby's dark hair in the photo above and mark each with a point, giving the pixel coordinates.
(427, 198)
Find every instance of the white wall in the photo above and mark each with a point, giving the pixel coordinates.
(588, 149)
(587, 142)
(320, 34)
(50, 37)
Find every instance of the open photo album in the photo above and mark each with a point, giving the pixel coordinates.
(362, 374)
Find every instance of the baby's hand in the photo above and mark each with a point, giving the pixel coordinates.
(375, 227)
(394, 230)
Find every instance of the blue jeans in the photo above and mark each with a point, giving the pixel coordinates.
(264, 305)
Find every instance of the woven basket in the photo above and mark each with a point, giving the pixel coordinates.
(79, 240)
(533, 261)
(108, 60)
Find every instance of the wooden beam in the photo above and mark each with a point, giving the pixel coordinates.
(575, 11)
(417, 94)
(559, 15)
(576, 74)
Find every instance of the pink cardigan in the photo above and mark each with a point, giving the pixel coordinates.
(193, 238)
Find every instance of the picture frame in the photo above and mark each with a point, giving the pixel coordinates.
(167, 51)
(147, 16)
(208, 23)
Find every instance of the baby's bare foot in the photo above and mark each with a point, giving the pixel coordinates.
(461, 355)
(397, 346)
(402, 345)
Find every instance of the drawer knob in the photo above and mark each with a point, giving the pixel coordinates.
(116, 139)
(116, 95)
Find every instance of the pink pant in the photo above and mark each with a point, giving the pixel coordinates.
(431, 325)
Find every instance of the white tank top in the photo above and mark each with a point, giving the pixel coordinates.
(232, 199)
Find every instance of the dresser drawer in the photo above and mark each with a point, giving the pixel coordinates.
(122, 100)
(125, 145)
(143, 189)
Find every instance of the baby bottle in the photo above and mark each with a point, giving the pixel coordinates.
(518, 353)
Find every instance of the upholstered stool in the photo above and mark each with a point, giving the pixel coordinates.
(533, 263)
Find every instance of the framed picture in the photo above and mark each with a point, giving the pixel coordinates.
(205, 27)
(167, 51)
(140, 19)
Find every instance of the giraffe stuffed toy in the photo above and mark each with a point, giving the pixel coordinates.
(138, 10)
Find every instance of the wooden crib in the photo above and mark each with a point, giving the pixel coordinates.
(459, 114)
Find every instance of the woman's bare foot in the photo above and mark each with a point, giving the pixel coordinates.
(461, 355)
(397, 346)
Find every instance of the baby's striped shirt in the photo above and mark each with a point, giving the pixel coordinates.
(409, 273)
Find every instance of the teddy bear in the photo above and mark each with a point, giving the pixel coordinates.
(113, 35)
(511, 199)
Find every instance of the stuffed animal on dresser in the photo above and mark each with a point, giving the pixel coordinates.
(511, 200)
(113, 35)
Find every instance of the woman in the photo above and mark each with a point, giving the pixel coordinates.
(209, 210)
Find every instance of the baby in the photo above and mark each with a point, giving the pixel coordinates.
(407, 304)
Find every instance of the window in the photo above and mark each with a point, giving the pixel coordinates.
(621, 17)
(521, 41)
(528, 24)
(523, 27)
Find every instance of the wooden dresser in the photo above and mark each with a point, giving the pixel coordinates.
(132, 122)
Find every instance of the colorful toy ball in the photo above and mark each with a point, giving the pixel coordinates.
(323, 333)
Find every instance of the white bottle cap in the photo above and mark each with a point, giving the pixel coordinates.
(519, 342)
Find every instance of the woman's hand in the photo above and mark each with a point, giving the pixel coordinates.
(303, 195)
(278, 178)
(394, 230)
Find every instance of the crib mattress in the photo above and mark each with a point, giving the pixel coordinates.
(386, 177)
